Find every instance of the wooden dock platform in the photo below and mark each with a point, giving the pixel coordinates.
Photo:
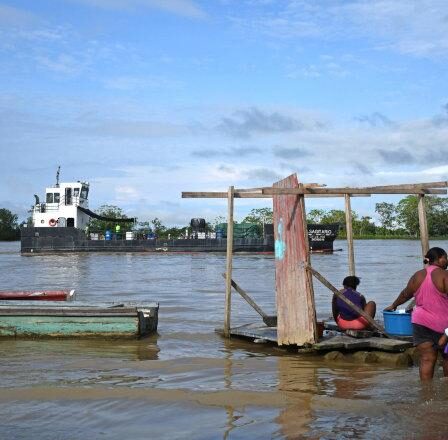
(331, 342)
(27, 319)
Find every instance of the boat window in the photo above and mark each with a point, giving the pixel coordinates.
(84, 192)
(76, 192)
(57, 198)
(68, 196)
(49, 197)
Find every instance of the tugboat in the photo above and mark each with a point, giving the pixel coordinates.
(65, 206)
(60, 225)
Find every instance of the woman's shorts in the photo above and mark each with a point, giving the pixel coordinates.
(355, 324)
(423, 334)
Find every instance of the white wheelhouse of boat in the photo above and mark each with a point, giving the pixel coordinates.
(60, 208)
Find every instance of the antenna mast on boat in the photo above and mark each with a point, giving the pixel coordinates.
(57, 176)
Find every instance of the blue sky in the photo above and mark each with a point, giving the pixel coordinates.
(148, 98)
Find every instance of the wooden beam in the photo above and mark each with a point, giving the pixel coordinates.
(246, 296)
(353, 306)
(228, 302)
(242, 194)
(296, 324)
(443, 184)
(296, 191)
(318, 190)
(260, 189)
(349, 231)
(270, 321)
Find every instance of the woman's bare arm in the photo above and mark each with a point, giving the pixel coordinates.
(405, 295)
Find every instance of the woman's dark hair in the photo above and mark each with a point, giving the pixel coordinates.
(433, 254)
(351, 281)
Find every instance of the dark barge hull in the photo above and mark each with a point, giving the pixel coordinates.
(43, 240)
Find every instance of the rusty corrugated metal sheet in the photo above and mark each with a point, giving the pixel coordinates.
(294, 293)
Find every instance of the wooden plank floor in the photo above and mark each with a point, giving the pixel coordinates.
(331, 342)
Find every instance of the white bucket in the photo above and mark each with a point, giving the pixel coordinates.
(129, 235)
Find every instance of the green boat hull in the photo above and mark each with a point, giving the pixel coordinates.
(117, 321)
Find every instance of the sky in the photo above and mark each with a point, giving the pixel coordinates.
(145, 99)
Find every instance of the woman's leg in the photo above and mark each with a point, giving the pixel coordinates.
(428, 358)
(370, 308)
(445, 365)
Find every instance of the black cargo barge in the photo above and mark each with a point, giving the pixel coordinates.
(35, 240)
(60, 221)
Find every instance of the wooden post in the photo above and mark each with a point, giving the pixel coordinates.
(424, 239)
(296, 324)
(228, 303)
(349, 231)
(310, 287)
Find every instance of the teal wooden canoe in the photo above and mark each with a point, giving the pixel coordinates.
(77, 320)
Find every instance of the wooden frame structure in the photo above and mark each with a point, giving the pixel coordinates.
(302, 191)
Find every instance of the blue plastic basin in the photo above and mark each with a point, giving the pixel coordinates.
(397, 323)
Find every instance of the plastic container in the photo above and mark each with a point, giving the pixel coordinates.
(398, 323)
(129, 235)
(108, 235)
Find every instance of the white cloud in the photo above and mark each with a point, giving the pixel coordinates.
(62, 63)
(128, 83)
(416, 27)
(185, 8)
(11, 17)
(141, 163)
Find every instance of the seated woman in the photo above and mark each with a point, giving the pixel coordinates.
(345, 317)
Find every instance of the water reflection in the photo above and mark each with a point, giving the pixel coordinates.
(230, 412)
(299, 383)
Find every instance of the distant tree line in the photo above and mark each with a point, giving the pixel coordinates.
(395, 219)
(9, 228)
(398, 220)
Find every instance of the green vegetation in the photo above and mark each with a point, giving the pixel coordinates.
(395, 220)
(9, 228)
(110, 211)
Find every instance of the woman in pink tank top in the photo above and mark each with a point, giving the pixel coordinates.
(429, 287)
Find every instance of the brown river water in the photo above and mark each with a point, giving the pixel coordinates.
(187, 381)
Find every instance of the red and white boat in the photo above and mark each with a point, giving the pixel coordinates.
(38, 295)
